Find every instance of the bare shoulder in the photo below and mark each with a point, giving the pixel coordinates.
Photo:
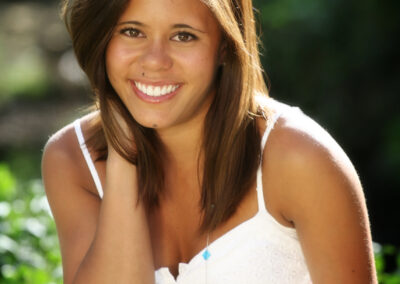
(62, 155)
(307, 160)
(315, 187)
(61, 151)
(75, 208)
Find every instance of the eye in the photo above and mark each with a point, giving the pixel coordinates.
(184, 37)
(131, 32)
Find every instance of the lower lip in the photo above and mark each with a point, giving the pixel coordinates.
(151, 99)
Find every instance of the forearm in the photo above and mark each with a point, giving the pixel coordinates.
(121, 249)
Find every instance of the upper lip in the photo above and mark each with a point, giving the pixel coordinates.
(156, 83)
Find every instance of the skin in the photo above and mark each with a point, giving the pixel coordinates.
(309, 182)
(157, 51)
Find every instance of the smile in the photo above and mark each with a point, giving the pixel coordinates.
(156, 91)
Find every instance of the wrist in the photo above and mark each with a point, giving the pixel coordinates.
(120, 173)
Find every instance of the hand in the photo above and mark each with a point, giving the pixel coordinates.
(117, 165)
(124, 141)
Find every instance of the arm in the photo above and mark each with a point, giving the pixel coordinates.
(101, 242)
(324, 199)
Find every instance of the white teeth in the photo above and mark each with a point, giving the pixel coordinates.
(149, 90)
(156, 91)
(164, 90)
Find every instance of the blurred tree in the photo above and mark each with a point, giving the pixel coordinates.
(338, 61)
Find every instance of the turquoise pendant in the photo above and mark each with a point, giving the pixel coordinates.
(206, 254)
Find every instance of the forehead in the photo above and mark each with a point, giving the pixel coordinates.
(154, 11)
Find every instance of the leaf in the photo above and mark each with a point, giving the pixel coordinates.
(7, 183)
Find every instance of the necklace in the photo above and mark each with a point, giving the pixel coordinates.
(206, 254)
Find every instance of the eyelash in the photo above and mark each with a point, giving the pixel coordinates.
(128, 32)
(186, 34)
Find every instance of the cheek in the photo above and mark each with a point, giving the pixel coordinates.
(200, 63)
(118, 58)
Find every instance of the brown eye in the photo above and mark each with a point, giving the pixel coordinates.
(184, 37)
(130, 32)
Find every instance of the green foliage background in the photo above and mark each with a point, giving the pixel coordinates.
(337, 60)
(29, 249)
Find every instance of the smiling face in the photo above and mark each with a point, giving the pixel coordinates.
(162, 60)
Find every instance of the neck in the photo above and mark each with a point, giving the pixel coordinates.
(183, 143)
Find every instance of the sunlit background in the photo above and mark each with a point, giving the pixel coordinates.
(337, 60)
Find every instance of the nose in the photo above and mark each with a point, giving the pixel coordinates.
(156, 57)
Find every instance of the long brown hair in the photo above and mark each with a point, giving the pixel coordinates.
(231, 140)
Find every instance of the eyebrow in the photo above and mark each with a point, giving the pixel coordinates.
(176, 26)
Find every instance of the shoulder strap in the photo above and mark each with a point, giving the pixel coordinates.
(88, 159)
(260, 195)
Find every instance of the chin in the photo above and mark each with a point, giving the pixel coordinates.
(155, 124)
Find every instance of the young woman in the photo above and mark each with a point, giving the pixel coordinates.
(188, 172)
